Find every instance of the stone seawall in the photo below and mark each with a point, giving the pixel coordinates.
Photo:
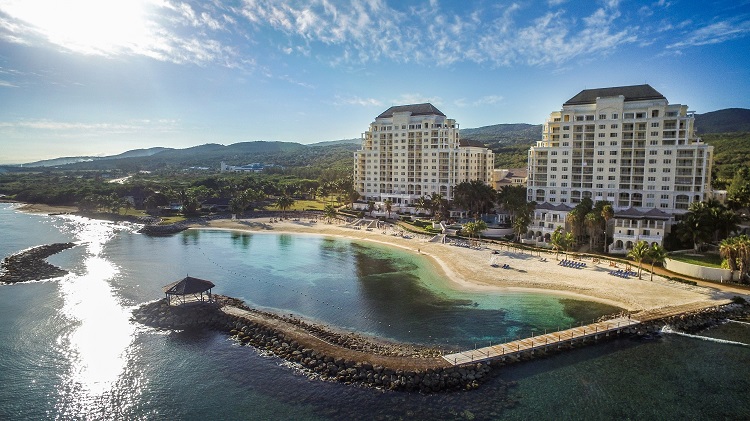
(318, 350)
(354, 359)
(30, 265)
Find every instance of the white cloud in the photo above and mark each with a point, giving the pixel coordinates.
(6, 84)
(353, 100)
(715, 33)
(81, 128)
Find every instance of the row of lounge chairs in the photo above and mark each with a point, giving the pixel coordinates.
(572, 264)
(504, 266)
(625, 274)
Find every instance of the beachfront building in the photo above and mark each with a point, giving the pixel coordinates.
(412, 151)
(502, 177)
(627, 145)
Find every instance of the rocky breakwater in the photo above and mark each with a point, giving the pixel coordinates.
(167, 229)
(29, 265)
(321, 351)
(695, 321)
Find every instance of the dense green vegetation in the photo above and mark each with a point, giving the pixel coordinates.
(731, 153)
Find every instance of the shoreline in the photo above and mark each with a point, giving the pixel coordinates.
(469, 270)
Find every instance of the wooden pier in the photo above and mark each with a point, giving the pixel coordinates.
(543, 341)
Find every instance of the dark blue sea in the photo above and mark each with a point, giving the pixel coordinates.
(68, 349)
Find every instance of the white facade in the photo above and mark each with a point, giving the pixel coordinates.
(412, 151)
(626, 145)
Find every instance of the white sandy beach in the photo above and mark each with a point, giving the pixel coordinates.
(471, 269)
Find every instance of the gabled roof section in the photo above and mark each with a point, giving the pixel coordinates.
(415, 109)
(550, 206)
(188, 285)
(631, 93)
(470, 142)
(633, 213)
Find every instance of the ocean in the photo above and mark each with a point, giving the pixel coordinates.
(68, 349)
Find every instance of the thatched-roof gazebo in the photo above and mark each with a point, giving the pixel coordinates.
(188, 286)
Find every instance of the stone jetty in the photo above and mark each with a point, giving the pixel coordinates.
(30, 265)
(358, 360)
(320, 351)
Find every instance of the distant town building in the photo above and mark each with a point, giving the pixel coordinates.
(414, 150)
(255, 167)
(626, 145)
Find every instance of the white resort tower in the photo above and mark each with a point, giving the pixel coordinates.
(414, 150)
(626, 145)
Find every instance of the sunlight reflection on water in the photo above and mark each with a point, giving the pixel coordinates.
(102, 333)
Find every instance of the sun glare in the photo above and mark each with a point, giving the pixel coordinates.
(88, 26)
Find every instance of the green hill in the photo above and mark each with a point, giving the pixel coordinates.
(723, 121)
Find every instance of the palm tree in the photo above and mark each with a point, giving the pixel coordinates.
(352, 195)
(474, 228)
(521, 224)
(593, 223)
(370, 207)
(557, 239)
(329, 211)
(608, 212)
(638, 253)
(574, 219)
(284, 203)
(388, 206)
(656, 254)
(422, 203)
(729, 251)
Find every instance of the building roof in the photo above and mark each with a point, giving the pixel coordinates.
(415, 109)
(188, 285)
(633, 213)
(631, 93)
(470, 142)
(549, 206)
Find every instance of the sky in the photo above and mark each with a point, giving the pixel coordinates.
(101, 77)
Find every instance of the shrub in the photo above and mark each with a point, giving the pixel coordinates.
(684, 281)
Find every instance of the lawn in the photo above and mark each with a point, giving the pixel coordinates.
(704, 259)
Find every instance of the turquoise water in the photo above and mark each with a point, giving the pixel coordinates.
(68, 350)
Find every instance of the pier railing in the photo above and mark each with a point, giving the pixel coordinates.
(543, 341)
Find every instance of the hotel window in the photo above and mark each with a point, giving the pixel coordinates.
(665, 197)
(667, 161)
(652, 161)
(602, 116)
(613, 152)
(612, 161)
(654, 113)
(628, 116)
(600, 152)
(665, 187)
(666, 179)
(652, 170)
(599, 161)
(654, 124)
(651, 187)
(613, 143)
(613, 135)
(602, 134)
(602, 126)
(614, 116)
(611, 178)
(600, 186)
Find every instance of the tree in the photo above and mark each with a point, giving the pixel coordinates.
(521, 224)
(237, 205)
(388, 206)
(283, 203)
(370, 207)
(696, 225)
(557, 239)
(513, 200)
(352, 196)
(738, 192)
(329, 211)
(474, 196)
(422, 203)
(638, 253)
(608, 212)
(474, 228)
(593, 222)
(656, 254)
(729, 251)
